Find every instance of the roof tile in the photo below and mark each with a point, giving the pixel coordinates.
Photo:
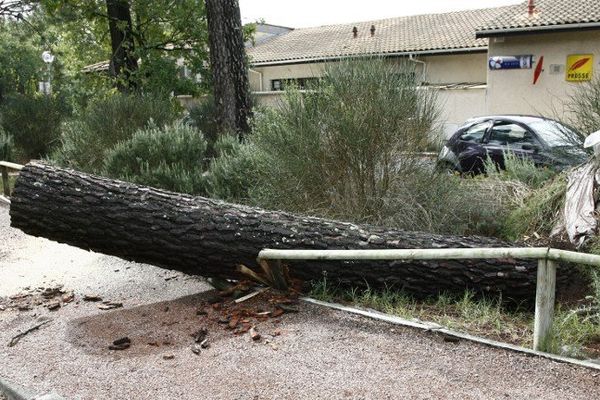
(548, 13)
(420, 33)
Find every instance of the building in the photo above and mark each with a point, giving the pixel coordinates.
(482, 61)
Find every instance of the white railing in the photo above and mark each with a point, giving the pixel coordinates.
(546, 272)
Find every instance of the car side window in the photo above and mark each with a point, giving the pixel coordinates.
(510, 134)
(475, 133)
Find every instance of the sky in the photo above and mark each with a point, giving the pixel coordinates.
(304, 13)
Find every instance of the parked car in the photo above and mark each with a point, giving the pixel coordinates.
(546, 142)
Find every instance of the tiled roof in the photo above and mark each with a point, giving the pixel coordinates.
(547, 14)
(453, 31)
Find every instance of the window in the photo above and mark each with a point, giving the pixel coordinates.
(300, 83)
(476, 132)
(510, 134)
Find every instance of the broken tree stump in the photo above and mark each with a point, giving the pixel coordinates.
(207, 237)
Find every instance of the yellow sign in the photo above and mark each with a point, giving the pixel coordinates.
(580, 67)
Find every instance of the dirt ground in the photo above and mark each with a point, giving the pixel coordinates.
(314, 353)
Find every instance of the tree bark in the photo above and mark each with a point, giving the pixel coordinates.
(228, 66)
(207, 237)
(123, 62)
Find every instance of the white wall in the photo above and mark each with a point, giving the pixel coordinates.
(458, 105)
(457, 68)
(513, 91)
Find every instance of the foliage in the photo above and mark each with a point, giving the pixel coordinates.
(203, 117)
(33, 122)
(335, 150)
(20, 61)
(169, 158)
(540, 210)
(6, 145)
(439, 203)
(584, 106)
(519, 169)
(572, 330)
(162, 30)
(231, 174)
(106, 122)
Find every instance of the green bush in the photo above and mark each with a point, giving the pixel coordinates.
(105, 122)
(232, 173)
(170, 158)
(335, 150)
(34, 123)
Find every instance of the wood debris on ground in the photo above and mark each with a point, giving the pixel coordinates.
(257, 305)
(52, 297)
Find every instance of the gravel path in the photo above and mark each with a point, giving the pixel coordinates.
(319, 353)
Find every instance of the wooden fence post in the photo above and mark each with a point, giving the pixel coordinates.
(544, 303)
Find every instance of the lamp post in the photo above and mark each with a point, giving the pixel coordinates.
(45, 86)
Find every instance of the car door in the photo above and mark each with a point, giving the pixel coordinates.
(508, 135)
(469, 147)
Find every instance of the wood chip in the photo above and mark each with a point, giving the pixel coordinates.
(251, 295)
(109, 305)
(233, 323)
(254, 334)
(53, 305)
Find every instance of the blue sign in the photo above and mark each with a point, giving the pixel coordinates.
(511, 62)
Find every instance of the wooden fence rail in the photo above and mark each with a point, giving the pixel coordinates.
(5, 166)
(546, 272)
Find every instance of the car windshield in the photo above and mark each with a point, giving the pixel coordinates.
(556, 134)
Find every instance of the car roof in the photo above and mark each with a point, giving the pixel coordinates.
(525, 119)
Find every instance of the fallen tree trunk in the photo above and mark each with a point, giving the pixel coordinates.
(206, 237)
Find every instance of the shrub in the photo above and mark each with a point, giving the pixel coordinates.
(104, 123)
(519, 169)
(202, 116)
(584, 107)
(540, 210)
(440, 203)
(232, 174)
(335, 150)
(34, 123)
(169, 158)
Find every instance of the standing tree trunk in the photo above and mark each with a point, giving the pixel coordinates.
(208, 237)
(123, 62)
(228, 65)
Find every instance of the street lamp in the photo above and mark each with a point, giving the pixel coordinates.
(44, 86)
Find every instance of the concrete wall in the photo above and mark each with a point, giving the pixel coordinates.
(513, 91)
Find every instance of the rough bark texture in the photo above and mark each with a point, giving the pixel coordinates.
(123, 61)
(207, 237)
(228, 65)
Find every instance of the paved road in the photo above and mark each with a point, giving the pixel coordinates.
(319, 353)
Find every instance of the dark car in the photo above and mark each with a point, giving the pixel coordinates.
(546, 142)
